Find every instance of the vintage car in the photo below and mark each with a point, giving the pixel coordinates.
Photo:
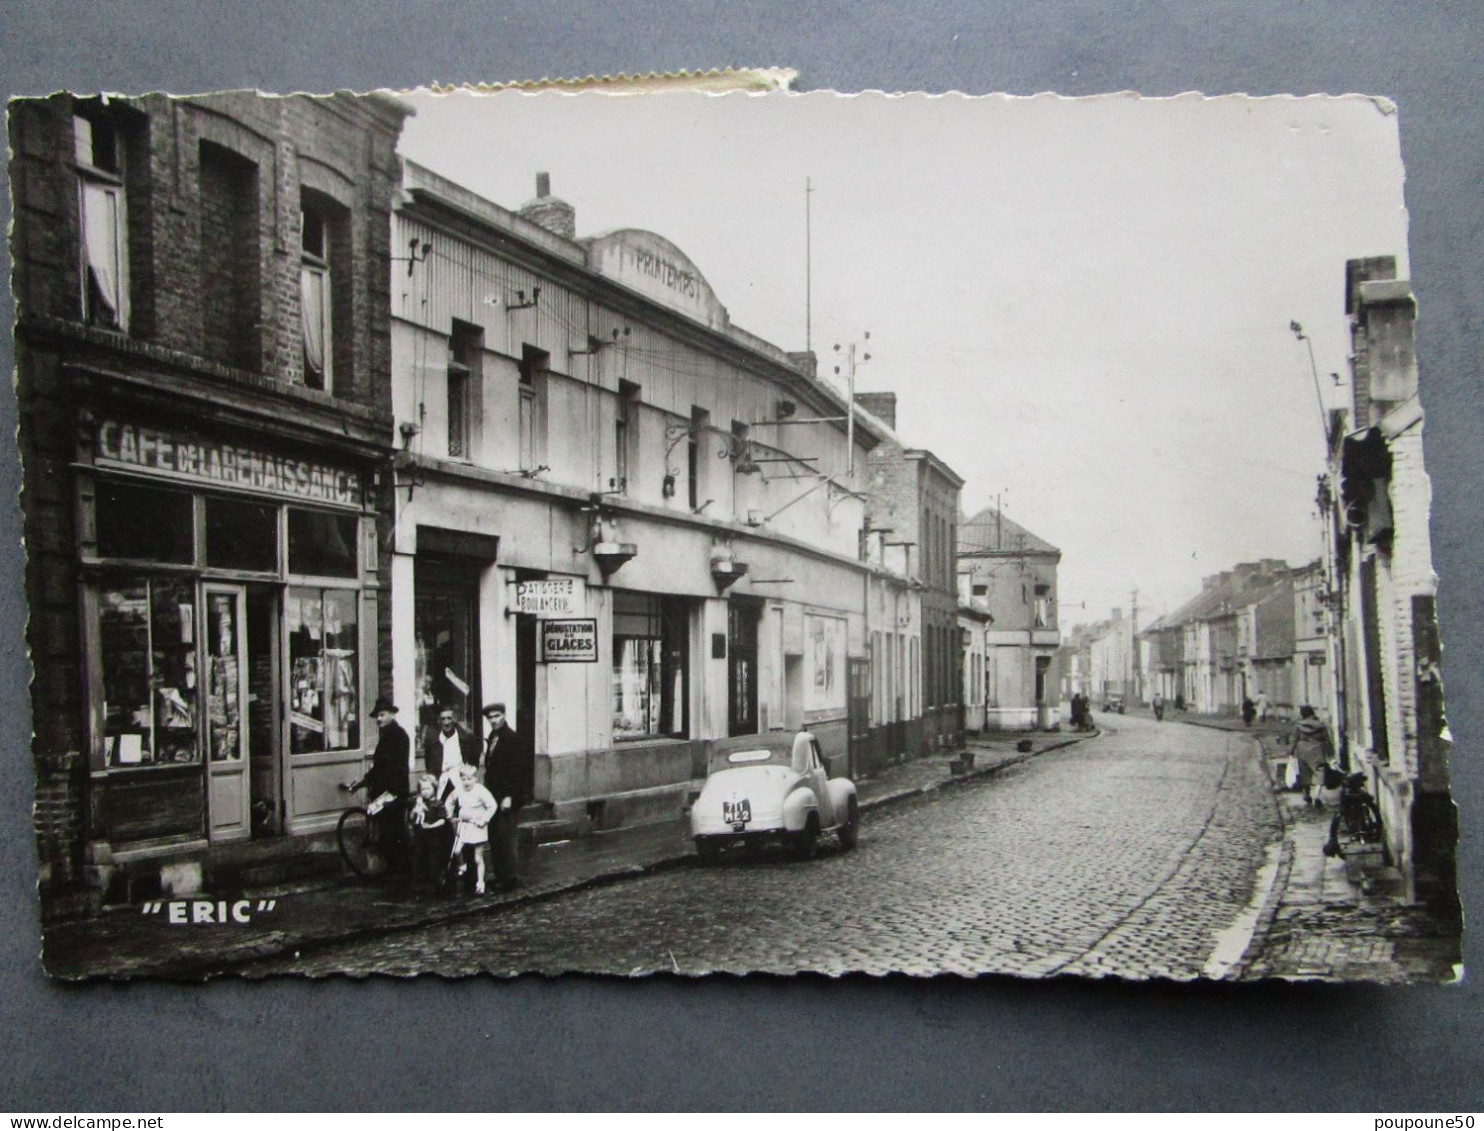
(774, 786)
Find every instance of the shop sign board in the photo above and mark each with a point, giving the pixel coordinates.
(184, 455)
(569, 641)
(552, 597)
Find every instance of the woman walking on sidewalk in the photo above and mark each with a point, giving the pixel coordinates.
(1311, 749)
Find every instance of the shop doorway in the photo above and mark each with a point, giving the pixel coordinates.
(226, 716)
(446, 627)
(742, 632)
(265, 766)
(525, 692)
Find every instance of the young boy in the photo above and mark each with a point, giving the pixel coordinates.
(474, 807)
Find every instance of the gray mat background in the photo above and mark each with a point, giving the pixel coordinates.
(807, 1042)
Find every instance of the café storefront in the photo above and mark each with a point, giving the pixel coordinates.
(228, 606)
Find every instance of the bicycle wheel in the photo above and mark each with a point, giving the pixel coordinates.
(1370, 831)
(356, 836)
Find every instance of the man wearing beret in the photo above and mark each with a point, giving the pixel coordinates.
(507, 757)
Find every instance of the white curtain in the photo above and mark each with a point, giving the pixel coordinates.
(312, 308)
(100, 221)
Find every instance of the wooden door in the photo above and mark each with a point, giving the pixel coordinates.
(226, 716)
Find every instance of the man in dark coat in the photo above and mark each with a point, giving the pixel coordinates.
(390, 765)
(507, 767)
(442, 741)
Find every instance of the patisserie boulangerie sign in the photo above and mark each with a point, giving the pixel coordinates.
(189, 456)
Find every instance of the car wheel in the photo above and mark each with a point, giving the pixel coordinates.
(708, 850)
(850, 830)
(806, 840)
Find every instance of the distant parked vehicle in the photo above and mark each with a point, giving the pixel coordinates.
(772, 787)
(1113, 701)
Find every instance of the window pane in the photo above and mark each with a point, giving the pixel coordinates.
(173, 674)
(145, 523)
(649, 666)
(241, 535)
(123, 632)
(324, 669)
(306, 627)
(322, 543)
(224, 677)
(342, 698)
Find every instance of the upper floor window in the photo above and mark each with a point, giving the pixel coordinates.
(625, 434)
(465, 349)
(533, 366)
(1043, 606)
(98, 150)
(316, 294)
(231, 297)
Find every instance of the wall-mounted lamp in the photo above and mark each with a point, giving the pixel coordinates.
(520, 302)
(595, 343)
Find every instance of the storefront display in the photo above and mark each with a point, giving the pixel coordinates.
(207, 606)
(649, 666)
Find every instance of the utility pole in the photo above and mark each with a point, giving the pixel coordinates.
(808, 270)
(1133, 644)
(850, 364)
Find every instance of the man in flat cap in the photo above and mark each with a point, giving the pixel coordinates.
(507, 757)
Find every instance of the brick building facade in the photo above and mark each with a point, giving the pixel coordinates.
(913, 507)
(203, 356)
(1393, 727)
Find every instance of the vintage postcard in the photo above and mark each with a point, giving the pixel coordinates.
(539, 531)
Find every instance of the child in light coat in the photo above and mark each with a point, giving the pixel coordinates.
(473, 807)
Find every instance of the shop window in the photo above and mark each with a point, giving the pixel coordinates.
(230, 294)
(241, 535)
(144, 523)
(323, 544)
(324, 671)
(99, 152)
(147, 646)
(650, 667)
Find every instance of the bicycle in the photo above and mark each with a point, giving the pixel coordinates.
(1357, 823)
(360, 835)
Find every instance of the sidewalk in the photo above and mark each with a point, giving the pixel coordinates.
(1338, 920)
(141, 941)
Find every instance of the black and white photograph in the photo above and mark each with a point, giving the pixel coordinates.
(728, 531)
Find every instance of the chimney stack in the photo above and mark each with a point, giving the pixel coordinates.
(883, 406)
(551, 212)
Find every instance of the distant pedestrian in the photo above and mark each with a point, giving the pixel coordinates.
(1158, 703)
(1249, 711)
(1312, 749)
(1263, 706)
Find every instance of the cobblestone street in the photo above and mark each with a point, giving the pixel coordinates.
(1134, 854)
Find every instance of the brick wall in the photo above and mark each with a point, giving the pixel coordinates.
(195, 303)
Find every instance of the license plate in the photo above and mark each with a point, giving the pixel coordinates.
(736, 812)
